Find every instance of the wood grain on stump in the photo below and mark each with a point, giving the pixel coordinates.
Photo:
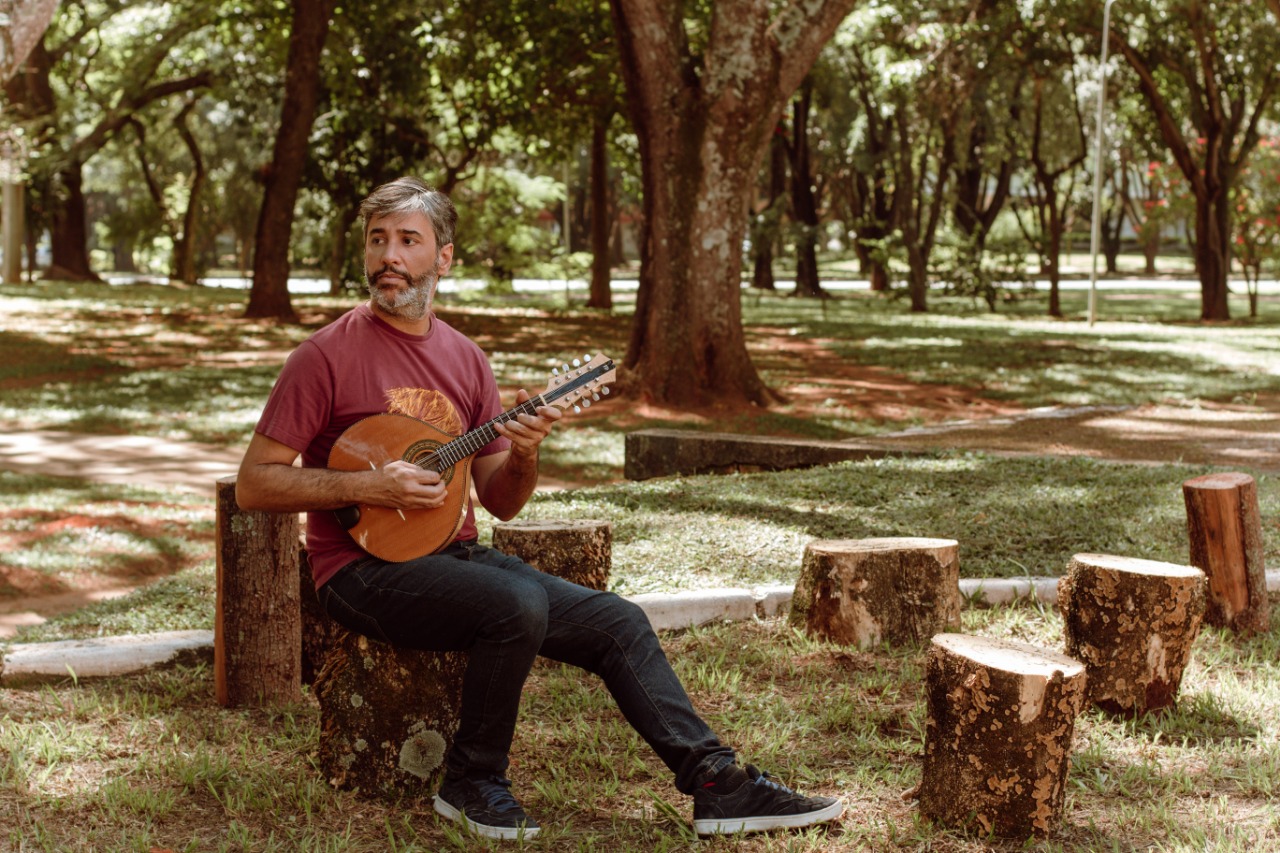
(387, 716)
(580, 551)
(1224, 525)
(862, 592)
(1132, 623)
(1001, 716)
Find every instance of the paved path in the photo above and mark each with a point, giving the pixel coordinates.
(124, 459)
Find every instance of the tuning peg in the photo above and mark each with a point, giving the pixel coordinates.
(577, 410)
(555, 371)
(604, 390)
(595, 397)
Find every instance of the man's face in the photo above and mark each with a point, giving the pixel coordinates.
(402, 264)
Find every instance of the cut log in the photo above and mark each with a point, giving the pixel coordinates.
(863, 592)
(256, 630)
(1001, 716)
(387, 716)
(1225, 528)
(1132, 623)
(580, 551)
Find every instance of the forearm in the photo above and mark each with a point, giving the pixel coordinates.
(273, 487)
(511, 485)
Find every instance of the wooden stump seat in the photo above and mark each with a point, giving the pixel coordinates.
(580, 551)
(1224, 525)
(1132, 623)
(387, 716)
(1001, 716)
(862, 592)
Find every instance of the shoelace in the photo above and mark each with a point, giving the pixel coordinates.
(496, 791)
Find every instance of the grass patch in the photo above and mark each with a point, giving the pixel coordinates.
(150, 761)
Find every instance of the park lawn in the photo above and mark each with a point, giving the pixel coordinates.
(150, 762)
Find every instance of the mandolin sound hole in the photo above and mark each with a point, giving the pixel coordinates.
(419, 454)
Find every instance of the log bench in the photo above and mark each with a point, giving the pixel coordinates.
(666, 452)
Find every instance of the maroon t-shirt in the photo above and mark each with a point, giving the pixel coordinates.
(358, 366)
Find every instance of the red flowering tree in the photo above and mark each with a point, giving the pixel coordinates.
(1257, 208)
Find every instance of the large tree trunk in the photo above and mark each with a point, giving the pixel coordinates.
(269, 296)
(601, 290)
(69, 229)
(704, 124)
(1213, 252)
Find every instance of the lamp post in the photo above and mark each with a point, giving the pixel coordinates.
(1096, 235)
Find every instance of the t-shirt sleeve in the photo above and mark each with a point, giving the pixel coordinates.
(301, 402)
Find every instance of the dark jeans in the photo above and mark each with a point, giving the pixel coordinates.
(504, 613)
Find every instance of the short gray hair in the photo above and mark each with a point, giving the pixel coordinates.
(410, 195)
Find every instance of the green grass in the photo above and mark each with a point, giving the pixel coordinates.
(151, 762)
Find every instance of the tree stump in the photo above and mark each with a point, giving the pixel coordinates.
(1225, 528)
(1001, 716)
(319, 632)
(863, 592)
(257, 638)
(580, 551)
(387, 716)
(1132, 623)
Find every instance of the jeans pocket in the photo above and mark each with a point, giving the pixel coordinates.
(349, 617)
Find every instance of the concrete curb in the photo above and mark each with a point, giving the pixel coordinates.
(666, 611)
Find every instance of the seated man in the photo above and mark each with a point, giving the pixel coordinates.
(392, 354)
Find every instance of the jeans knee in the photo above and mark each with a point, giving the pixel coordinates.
(519, 613)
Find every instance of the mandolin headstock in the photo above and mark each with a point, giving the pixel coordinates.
(581, 382)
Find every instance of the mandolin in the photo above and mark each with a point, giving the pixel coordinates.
(398, 535)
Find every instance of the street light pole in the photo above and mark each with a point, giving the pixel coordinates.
(1096, 235)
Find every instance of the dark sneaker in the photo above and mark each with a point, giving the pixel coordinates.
(746, 800)
(486, 807)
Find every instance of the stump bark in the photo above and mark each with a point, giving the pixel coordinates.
(257, 634)
(387, 716)
(862, 592)
(319, 632)
(1132, 623)
(1224, 525)
(1001, 716)
(580, 551)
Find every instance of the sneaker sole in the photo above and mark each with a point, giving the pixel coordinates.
(503, 833)
(732, 826)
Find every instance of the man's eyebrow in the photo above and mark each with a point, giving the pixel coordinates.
(382, 229)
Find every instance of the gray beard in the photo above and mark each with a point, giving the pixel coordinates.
(411, 304)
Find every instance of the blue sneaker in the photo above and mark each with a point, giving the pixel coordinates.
(746, 800)
(485, 806)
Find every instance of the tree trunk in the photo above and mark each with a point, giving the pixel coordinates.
(1132, 623)
(703, 128)
(269, 295)
(1213, 252)
(185, 246)
(69, 230)
(1224, 525)
(804, 202)
(1001, 717)
(765, 226)
(601, 290)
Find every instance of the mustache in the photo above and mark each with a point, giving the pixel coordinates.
(374, 275)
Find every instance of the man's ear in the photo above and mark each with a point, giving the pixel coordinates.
(444, 259)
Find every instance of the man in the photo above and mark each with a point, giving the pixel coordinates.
(393, 354)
